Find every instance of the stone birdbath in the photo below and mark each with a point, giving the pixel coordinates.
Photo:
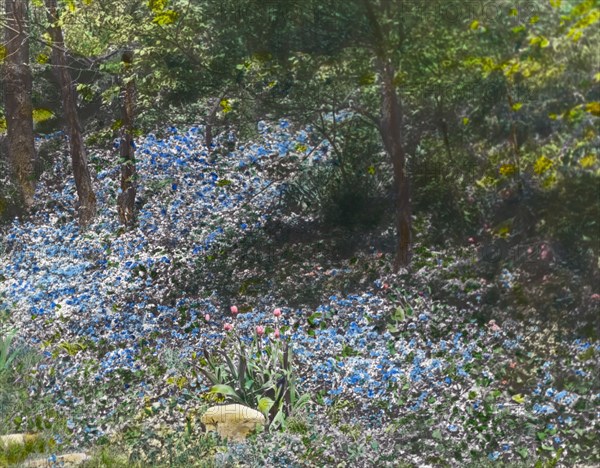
(234, 422)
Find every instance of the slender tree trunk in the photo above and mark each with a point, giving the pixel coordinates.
(391, 127)
(210, 121)
(443, 127)
(126, 199)
(212, 117)
(83, 180)
(18, 85)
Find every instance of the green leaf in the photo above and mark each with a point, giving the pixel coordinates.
(399, 314)
(226, 106)
(278, 420)
(157, 5)
(593, 108)
(437, 434)
(242, 366)
(523, 452)
(518, 398)
(264, 405)
(5, 358)
(232, 369)
(223, 390)
(41, 115)
(302, 401)
(313, 318)
(165, 17)
(366, 79)
(42, 59)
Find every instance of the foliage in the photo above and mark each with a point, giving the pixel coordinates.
(262, 376)
(6, 354)
(485, 353)
(343, 182)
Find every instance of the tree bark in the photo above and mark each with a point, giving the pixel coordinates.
(212, 117)
(443, 127)
(126, 199)
(391, 133)
(210, 121)
(83, 180)
(18, 85)
(391, 127)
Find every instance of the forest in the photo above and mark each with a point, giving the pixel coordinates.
(299, 233)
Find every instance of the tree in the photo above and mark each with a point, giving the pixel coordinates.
(360, 34)
(83, 180)
(390, 128)
(126, 199)
(18, 108)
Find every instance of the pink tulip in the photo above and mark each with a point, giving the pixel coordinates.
(595, 297)
(228, 327)
(276, 334)
(277, 312)
(545, 253)
(234, 310)
(260, 330)
(207, 317)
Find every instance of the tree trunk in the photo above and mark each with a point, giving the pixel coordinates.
(211, 119)
(126, 199)
(83, 180)
(443, 127)
(390, 128)
(18, 85)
